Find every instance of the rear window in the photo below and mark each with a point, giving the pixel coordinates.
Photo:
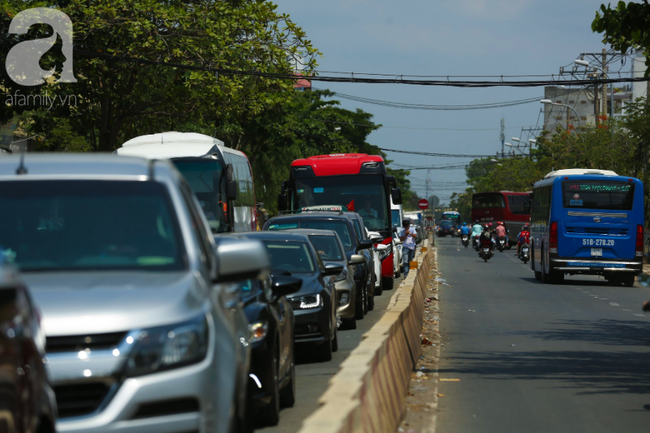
(598, 194)
(488, 201)
(339, 226)
(290, 256)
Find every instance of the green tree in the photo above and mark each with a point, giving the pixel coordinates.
(121, 94)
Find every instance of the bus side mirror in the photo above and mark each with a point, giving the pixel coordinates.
(527, 206)
(283, 201)
(396, 194)
(231, 183)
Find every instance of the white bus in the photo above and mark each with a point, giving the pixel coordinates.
(220, 177)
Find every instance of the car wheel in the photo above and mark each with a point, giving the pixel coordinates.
(358, 304)
(269, 415)
(379, 290)
(389, 283)
(288, 394)
(628, 280)
(324, 351)
(335, 341)
(364, 291)
(371, 299)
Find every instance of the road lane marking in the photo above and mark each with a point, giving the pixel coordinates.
(613, 304)
(625, 309)
(639, 315)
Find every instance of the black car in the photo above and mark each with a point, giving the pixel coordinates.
(445, 228)
(314, 305)
(362, 235)
(27, 401)
(271, 321)
(344, 227)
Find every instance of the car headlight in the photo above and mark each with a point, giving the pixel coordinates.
(166, 347)
(343, 275)
(307, 302)
(258, 331)
(385, 253)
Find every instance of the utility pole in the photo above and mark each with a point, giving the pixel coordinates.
(604, 110)
(503, 136)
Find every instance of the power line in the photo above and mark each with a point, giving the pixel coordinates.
(504, 80)
(442, 155)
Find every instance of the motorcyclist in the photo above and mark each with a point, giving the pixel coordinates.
(486, 238)
(523, 237)
(477, 229)
(501, 231)
(464, 230)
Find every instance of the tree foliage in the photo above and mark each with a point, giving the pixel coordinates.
(626, 26)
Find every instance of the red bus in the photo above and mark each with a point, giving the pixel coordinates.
(506, 206)
(353, 181)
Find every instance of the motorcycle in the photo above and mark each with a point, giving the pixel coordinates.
(501, 243)
(485, 253)
(476, 243)
(465, 240)
(524, 253)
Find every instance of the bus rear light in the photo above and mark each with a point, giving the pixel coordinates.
(639, 241)
(552, 238)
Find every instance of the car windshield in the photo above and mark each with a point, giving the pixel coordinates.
(339, 226)
(598, 194)
(204, 177)
(290, 256)
(364, 194)
(327, 247)
(89, 225)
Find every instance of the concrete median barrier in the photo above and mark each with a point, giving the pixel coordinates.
(368, 393)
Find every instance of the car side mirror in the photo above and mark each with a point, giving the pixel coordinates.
(333, 269)
(283, 285)
(394, 229)
(237, 260)
(376, 238)
(356, 259)
(381, 247)
(365, 244)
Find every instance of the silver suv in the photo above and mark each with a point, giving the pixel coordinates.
(144, 325)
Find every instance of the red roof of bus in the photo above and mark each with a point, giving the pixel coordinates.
(339, 163)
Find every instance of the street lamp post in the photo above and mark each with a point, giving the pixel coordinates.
(549, 102)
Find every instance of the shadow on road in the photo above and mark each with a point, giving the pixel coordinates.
(596, 372)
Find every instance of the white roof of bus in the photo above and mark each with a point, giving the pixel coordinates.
(570, 171)
(173, 145)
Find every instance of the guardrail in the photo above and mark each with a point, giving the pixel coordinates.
(368, 394)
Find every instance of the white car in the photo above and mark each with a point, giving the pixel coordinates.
(397, 249)
(376, 252)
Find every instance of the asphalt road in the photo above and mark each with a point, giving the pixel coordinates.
(539, 358)
(312, 378)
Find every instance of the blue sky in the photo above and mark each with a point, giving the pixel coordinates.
(460, 37)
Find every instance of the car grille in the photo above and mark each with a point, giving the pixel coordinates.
(80, 399)
(76, 343)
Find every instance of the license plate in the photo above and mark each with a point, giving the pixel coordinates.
(596, 252)
(525, 250)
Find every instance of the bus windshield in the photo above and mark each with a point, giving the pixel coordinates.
(598, 194)
(204, 177)
(364, 194)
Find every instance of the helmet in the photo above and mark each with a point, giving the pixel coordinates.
(499, 223)
(526, 227)
(476, 221)
(489, 224)
(464, 224)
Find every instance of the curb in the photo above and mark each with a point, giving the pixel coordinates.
(368, 393)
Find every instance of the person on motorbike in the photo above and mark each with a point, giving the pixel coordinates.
(523, 237)
(501, 232)
(464, 230)
(486, 238)
(477, 229)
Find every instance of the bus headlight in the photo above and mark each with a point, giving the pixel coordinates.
(166, 347)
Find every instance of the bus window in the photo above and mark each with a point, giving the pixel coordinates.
(595, 194)
(516, 204)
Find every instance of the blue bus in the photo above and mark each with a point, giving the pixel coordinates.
(587, 222)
